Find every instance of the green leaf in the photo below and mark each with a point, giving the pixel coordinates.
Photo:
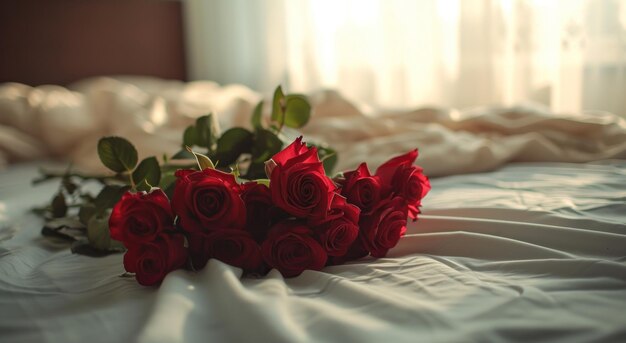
(278, 116)
(203, 160)
(108, 197)
(183, 155)
(257, 115)
(85, 212)
(206, 131)
(168, 181)
(98, 233)
(203, 131)
(265, 182)
(117, 154)
(297, 111)
(190, 137)
(329, 163)
(266, 145)
(143, 186)
(203, 134)
(59, 206)
(328, 157)
(147, 173)
(232, 144)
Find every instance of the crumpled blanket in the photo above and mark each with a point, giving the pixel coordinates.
(53, 122)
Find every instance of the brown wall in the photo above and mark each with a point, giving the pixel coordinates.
(61, 41)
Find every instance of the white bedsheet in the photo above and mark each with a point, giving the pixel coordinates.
(531, 252)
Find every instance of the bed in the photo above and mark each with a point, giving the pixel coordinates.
(522, 238)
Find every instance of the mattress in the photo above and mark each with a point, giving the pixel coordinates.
(528, 252)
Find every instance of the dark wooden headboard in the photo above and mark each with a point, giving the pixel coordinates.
(62, 41)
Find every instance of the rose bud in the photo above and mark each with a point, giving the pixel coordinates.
(291, 249)
(381, 230)
(206, 200)
(151, 261)
(299, 184)
(341, 227)
(406, 180)
(361, 188)
(140, 217)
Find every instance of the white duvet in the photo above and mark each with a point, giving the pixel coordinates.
(533, 251)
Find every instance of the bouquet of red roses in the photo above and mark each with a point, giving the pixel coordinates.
(297, 219)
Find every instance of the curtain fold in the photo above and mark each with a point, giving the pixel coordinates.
(569, 55)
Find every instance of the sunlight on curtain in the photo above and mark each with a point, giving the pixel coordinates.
(567, 54)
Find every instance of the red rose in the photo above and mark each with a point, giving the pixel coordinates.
(299, 184)
(296, 148)
(151, 261)
(387, 170)
(261, 213)
(291, 249)
(341, 227)
(206, 200)
(337, 236)
(231, 246)
(361, 188)
(406, 180)
(140, 217)
(413, 186)
(381, 230)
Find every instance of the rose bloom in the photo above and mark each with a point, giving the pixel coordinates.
(381, 230)
(361, 188)
(406, 180)
(151, 261)
(340, 227)
(206, 200)
(413, 186)
(299, 184)
(231, 246)
(291, 248)
(139, 217)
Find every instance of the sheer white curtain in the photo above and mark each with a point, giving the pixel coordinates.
(567, 54)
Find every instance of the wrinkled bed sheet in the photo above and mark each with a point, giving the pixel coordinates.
(530, 252)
